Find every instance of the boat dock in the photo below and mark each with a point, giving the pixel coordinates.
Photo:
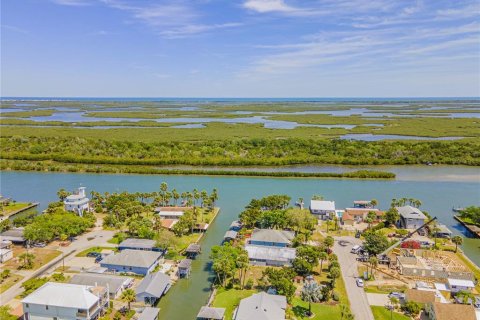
(470, 227)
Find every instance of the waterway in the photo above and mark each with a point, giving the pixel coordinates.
(187, 296)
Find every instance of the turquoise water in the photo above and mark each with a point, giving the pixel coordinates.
(187, 296)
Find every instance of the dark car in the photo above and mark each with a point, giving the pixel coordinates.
(98, 259)
(94, 254)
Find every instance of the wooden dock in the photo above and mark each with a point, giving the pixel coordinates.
(472, 228)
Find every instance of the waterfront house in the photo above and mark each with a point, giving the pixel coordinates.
(230, 235)
(148, 313)
(270, 256)
(132, 261)
(360, 214)
(443, 231)
(5, 254)
(362, 204)
(171, 212)
(210, 313)
(271, 237)
(184, 268)
(56, 300)
(77, 202)
(115, 284)
(261, 306)
(410, 217)
(450, 311)
(456, 285)
(152, 288)
(138, 244)
(323, 209)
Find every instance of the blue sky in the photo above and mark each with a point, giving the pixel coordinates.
(249, 48)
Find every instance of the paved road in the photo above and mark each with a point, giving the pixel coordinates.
(96, 237)
(348, 265)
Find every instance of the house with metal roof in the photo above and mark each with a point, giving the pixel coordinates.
(14, 235)
(56, 300)
(323, 209)
(270, 256)
(410, 217)
(456, 285)
(115, 284)
(271, 237)
(261, 306)
(138, 244)
(148, 313)
(210, 313)
(152, 288)
(443, 231)
(132, 261)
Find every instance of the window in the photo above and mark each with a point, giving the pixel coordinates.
(26, 305)
(46, 307)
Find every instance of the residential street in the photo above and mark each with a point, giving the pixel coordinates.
(348, 265)
(96, 237)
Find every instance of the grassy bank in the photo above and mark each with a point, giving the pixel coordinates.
(52, 166)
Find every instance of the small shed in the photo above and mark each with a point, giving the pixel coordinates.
(192, 250)
(210, 313)
(184, 268)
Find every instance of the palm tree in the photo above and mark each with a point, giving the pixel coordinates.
(435, 230)
(242, 263)
(196, 196)
(464, 296)
(374, 202)
(27, 258)
(373, 260)
(128, 296)
(214, 196)
(458, 241)
(175, 195)
(322, 256)
(334, 274)
(204, 196)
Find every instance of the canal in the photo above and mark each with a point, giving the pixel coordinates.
(187, 296)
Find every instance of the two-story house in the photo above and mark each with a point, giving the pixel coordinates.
(56, 300)
(271, 247)
(77, 202)
(410, 217)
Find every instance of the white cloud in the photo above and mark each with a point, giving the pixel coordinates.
(263, 6)
(14, 29)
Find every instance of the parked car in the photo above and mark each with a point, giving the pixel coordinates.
(398, 295)
(39, 244)
(359, 282)
(98, 259)
(94, 254)
(355, 249)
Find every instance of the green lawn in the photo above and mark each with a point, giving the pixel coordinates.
(229, 299)
(12, 207)
(94, 249)
(385, 289)
(381, 313)
(10, 281)
(321, 311)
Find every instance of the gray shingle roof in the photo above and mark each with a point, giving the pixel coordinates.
(270, 253)
(211, 313)
(262, 306)
(409, 212)
(138, 243)
(271, 235)
(132, 258)
(154, 284)
(114, 283)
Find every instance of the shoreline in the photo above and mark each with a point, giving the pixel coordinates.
(30, 206)
(468, 227)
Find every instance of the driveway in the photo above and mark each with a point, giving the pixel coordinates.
(348, 265)
(378, 299)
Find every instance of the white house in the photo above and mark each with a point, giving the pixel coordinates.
(77, 202)
(56, 300)
(324, 209)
